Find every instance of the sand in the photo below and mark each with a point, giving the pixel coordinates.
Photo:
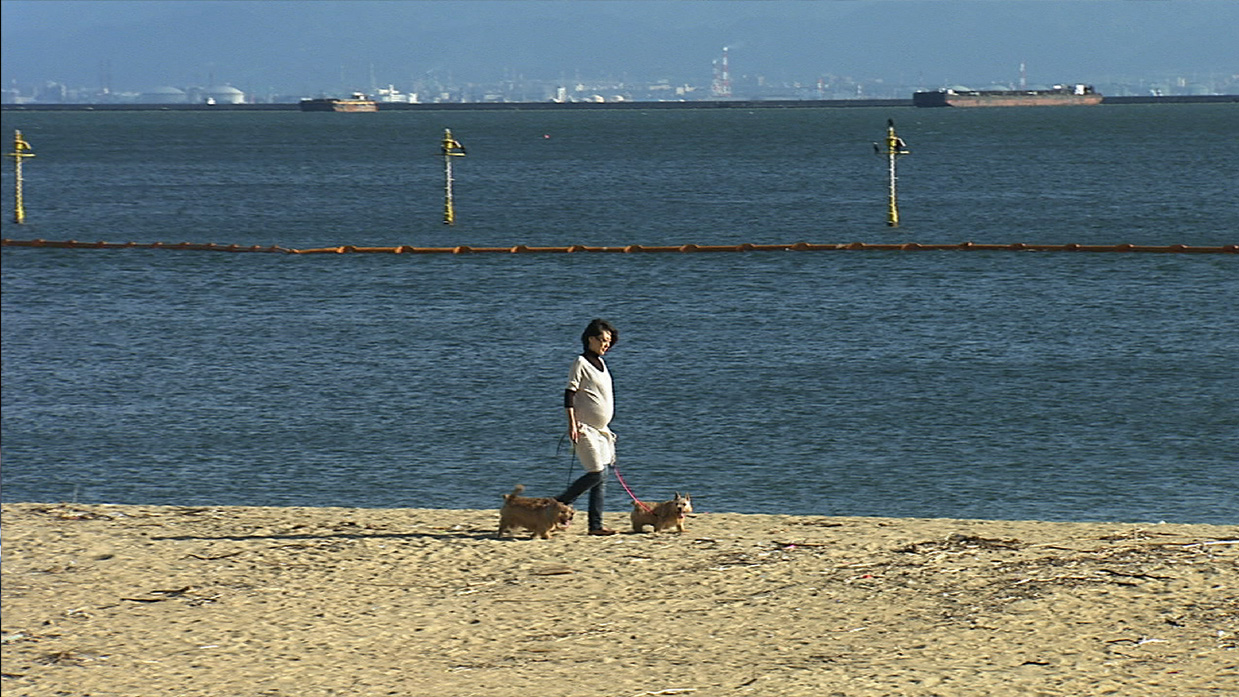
(139, 601)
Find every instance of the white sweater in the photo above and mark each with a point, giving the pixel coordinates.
(594, 403)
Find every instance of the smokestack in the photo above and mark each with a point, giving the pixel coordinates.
(721, 86)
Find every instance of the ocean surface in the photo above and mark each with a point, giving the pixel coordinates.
(1006, 385)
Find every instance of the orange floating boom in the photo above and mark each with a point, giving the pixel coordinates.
(639, 248)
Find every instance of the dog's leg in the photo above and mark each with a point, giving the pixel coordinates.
(637, 525)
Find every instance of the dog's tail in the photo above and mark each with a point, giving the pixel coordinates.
(515, 492)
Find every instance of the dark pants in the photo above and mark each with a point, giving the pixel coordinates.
(596, 484)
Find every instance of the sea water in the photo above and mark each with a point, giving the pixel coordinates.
(1059, 386)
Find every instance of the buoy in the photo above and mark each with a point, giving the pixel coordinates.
(21, 150)
(450, 148)
(894, 148)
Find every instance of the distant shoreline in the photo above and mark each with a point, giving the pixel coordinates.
(586, 106)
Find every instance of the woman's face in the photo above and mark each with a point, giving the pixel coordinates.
(599, 343)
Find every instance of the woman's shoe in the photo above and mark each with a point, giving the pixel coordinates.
(602, 531)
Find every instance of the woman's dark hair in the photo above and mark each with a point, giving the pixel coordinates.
(596, 328)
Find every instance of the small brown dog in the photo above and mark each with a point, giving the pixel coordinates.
(662, 515)
(542, 516)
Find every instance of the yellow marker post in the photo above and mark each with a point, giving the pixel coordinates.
(894, 148)
(21, 150)
(451, 148)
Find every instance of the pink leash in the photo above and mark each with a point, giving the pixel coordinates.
(624, 484)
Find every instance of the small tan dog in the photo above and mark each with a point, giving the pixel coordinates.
(542, 516)
(662, 515)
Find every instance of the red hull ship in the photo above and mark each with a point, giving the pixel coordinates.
(1073, 95)
(358, 102)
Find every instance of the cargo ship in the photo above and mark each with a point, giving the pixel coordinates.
(1059, 95)
(358, 102)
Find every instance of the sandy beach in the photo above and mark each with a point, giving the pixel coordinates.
(136, 601)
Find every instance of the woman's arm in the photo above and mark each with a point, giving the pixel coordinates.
(573, 432)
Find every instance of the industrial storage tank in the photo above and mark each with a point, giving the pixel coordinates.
(163, 95)
(222, 94)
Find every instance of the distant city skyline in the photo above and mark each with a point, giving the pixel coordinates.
(496, 49)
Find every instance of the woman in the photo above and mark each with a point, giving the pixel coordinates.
(590, 405)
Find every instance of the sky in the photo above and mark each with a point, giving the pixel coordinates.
(311, 46)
